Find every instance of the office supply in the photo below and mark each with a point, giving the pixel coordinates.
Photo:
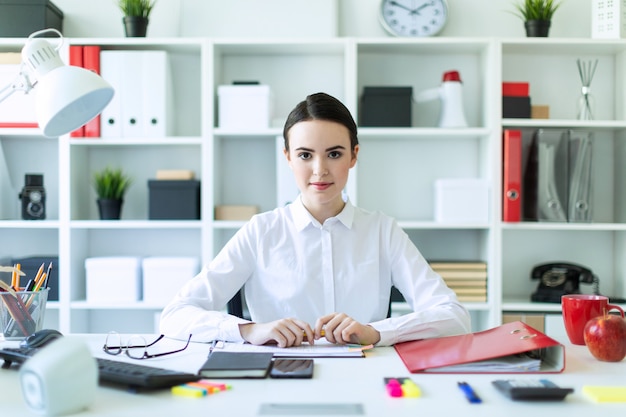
(31, 264)
(156, 94)
(76, 59)
(402, 387)
(510, 348)
(463, 200)
(606, 394)
(292, 368)
(132, 375)
(105, 276)
(533, 389)
(111, 116)
(320, 349)
(162, 277)
(512, 175)
(314, 409)
(91, 62)
(40, 338)
(131, 93)
(244, 107)
(580, 203)
(546, 177)
(469, 392)
(67, 96)
(21, 313)
(220, 364)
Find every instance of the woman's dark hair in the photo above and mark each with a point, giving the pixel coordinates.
(321, 106)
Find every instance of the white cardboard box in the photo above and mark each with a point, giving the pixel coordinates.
(462, 200)
(164, 276)
(608, 19)
(113, 279)
(244, 107)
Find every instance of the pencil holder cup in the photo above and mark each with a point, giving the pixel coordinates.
(22, 313)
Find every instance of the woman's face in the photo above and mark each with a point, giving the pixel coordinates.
(320, 157)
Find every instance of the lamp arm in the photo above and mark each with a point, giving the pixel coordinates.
(21, 83)
(49, 30)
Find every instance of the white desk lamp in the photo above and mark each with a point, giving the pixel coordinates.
(66, 97)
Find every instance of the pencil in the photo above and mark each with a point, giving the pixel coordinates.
(322, 334)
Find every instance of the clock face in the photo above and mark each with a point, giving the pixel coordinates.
(413, 18)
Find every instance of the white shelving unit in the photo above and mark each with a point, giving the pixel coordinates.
(395, 172)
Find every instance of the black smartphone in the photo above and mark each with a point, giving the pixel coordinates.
(292, 368)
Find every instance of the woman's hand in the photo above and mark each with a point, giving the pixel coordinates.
(283, 332)
(341, 328)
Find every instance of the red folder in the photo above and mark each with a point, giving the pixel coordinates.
(91, 61)
(512, 176)
(481, 352)
(76, 60)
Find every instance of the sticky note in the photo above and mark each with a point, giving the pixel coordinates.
(606, 394)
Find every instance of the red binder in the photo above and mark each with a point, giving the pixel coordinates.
(76, 59)
(91, 61)
(512, 176)
(480, 352)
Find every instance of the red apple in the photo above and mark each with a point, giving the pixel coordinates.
(605, 337)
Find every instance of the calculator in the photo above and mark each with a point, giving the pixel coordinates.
(531, 389)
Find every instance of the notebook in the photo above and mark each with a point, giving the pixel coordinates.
(221, 364)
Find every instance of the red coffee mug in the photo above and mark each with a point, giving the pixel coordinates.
(578, 309)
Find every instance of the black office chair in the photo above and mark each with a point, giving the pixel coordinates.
(235, 305)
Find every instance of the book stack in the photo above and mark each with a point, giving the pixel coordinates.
(468, 279)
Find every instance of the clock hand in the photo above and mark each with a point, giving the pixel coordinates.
(417, 10)
(400, 5)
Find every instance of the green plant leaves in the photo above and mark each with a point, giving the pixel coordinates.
(111, 183)
(537, 9)
(141, 8)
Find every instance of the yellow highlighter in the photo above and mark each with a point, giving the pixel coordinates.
(605, 394)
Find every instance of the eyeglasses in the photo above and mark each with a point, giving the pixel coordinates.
(113, 346)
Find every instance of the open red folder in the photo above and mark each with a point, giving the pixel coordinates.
(510, 348)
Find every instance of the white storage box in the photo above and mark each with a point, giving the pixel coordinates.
(608, 19)
(164, 276)
(462, 200)
(113, 279)
(244, 107)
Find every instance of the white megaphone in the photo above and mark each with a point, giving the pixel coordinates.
(451, 94)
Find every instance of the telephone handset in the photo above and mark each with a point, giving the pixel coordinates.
(560, 278)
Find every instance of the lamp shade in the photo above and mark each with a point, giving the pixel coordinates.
(66, 97)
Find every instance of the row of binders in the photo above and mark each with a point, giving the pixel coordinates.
(468, 279)
(548, 179)
(141, 105)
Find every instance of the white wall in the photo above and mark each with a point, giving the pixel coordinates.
(102, 18)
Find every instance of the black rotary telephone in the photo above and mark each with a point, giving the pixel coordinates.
(560, 278)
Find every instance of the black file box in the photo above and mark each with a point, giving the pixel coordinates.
(514, 107)
(174, 199)
(386, 107)
(20, 18)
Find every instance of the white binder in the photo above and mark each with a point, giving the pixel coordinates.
(132, 93)
(110, 70)
(157, 94)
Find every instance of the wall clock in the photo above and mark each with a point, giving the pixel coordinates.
(413, 18)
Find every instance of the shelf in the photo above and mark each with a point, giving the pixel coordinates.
(565, 124)
(395, 174)
(135, 224)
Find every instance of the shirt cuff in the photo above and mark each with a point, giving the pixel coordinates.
(229, 330)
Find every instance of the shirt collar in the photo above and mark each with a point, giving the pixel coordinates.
(302, 218)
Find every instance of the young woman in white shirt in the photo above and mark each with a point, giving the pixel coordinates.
(319, 263)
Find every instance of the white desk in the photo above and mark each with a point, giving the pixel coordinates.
(341, 381)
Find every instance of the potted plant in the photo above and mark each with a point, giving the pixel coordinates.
(537, 16)
(110, 185)
(136, 15)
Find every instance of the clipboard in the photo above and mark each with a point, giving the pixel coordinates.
(495, 350)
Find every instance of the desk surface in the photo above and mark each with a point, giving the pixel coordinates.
(336, 380)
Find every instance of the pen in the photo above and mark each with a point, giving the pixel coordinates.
(470, 394)
(45, 283)
(213, 346)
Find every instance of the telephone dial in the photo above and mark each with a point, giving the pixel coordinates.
(560, 278)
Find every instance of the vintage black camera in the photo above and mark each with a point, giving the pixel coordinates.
(33, 198)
